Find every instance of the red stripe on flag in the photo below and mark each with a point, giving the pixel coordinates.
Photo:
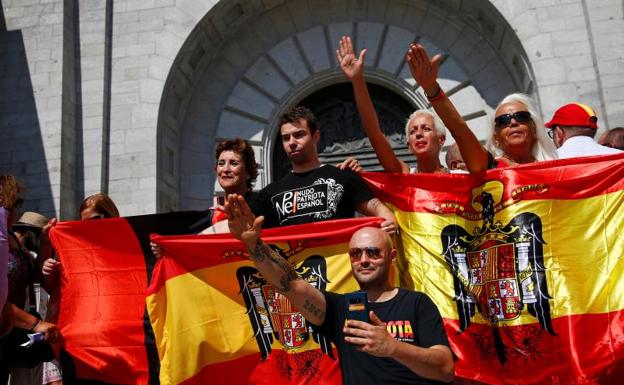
(223, 248)
(575, 178)
(280, 368)
(588, 349)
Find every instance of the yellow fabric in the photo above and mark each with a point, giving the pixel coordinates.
(583, 254)
(588, 109)
(206, 320)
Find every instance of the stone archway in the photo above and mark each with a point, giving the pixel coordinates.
(341, 130)
(245, 63)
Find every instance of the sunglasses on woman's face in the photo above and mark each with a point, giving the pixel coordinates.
(504, 120)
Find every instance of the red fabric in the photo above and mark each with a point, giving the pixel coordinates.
(103, 300)
(582, 352)
(293, 369)
(574, 178)
(229, 248)
(218, 215)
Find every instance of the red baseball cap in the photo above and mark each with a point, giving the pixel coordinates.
(574, 114)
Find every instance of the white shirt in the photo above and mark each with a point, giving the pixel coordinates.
(583, 146)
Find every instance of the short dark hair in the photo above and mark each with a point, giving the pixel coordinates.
(244, 149)
(615, 138)
(300, 112)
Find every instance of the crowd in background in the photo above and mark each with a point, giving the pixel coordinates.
(517, 135)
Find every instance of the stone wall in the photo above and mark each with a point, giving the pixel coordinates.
(129, 96)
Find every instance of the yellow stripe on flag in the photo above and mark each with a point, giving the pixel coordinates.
(201, 318)
(585, 235)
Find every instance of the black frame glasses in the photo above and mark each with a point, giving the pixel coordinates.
(371, 252)
(551, 133)
(504, 120)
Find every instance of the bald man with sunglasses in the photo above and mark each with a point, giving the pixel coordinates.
(404, 342)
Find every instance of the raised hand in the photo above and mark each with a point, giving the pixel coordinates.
(242, 222)
(351, 65)
(423, 69)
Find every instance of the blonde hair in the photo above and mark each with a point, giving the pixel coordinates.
(438, 126)
(543, 148)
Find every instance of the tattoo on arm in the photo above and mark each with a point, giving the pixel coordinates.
(262, 251)
(374, 204)
(314, 310)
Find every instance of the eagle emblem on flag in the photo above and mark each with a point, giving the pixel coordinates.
(498, 269)
(272, 315)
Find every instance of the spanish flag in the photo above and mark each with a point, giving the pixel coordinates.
(217, 321)
(106, 266)
(526, 265)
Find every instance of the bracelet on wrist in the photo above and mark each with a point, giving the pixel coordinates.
(439, 94)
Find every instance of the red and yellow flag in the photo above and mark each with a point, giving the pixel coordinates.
(525, 264)
(105, 270)
(217, 321)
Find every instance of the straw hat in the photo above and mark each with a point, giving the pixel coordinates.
(31, 221)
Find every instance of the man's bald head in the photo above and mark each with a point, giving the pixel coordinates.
(371, 236)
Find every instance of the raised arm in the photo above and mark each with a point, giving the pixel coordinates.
(353, 68)
(246, 227)
(375, 208)
(425, 72)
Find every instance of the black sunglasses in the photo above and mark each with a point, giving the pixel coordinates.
(372, 252)
(504, 120)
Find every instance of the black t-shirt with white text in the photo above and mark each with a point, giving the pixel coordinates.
(410, 317)
(321, 194)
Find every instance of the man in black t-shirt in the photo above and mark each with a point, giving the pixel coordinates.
(404, 343)
(313, 191)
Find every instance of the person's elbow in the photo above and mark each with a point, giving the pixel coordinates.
(447, 371)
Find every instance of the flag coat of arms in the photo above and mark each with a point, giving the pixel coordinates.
(525, 264)
(216, 320)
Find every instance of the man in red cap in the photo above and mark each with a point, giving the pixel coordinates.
(573, 128)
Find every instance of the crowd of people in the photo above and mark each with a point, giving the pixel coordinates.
(314, 191)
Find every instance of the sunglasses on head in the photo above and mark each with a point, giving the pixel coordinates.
(371, 252)
(504, 120)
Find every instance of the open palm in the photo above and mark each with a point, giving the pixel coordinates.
(351, 65)
(242, 222)
(423, 69)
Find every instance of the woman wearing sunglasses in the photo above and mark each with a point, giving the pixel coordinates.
(516, 135)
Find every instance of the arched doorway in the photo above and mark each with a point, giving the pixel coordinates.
(245, 64)
(341, 130)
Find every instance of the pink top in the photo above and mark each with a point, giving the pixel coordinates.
(4, 256)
